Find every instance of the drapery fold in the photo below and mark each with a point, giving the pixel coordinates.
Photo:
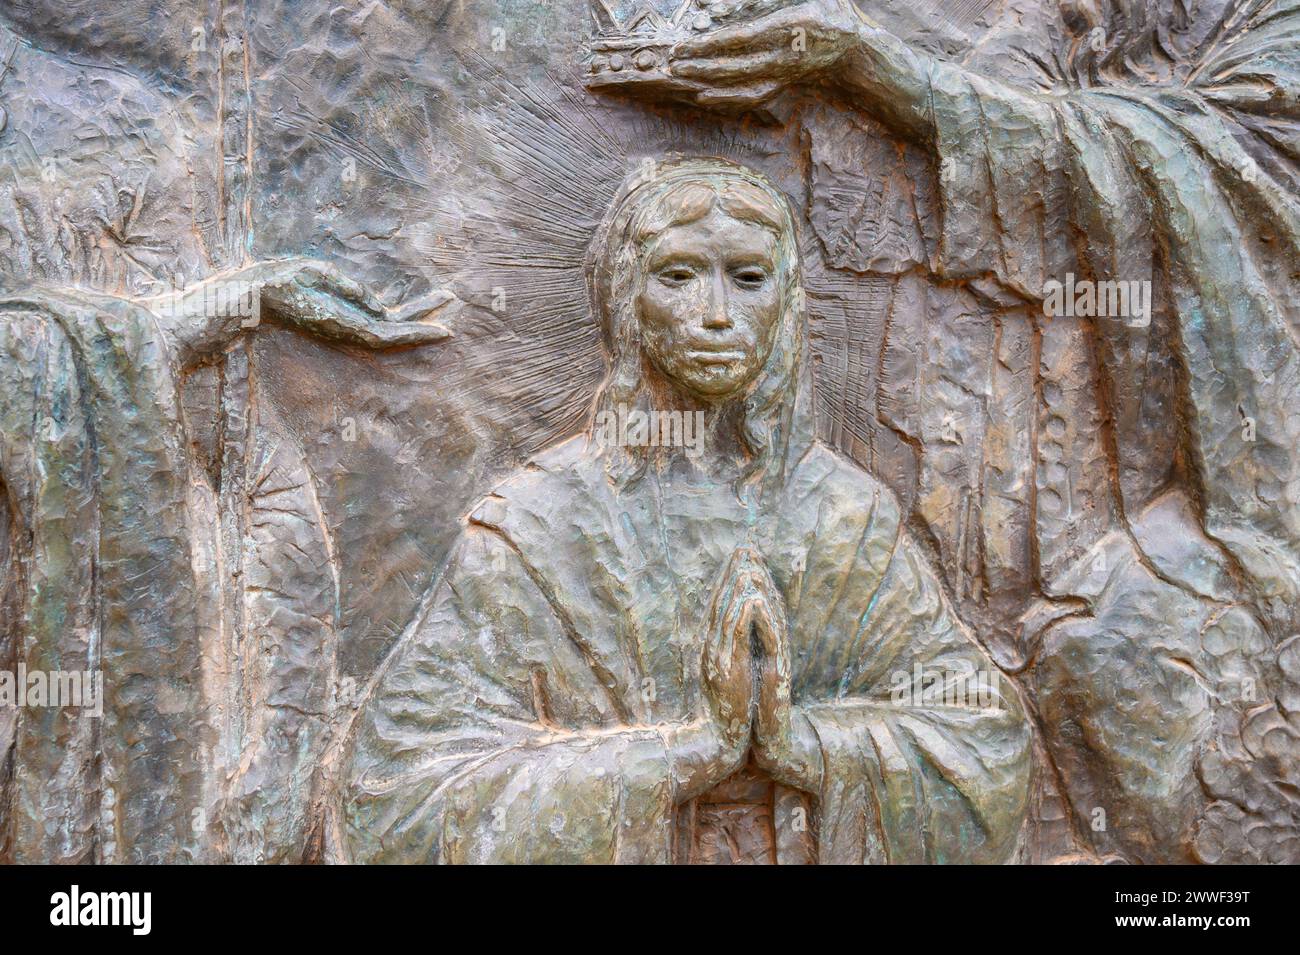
(1179, 185)
(520, 719)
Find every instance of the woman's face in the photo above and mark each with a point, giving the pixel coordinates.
(709, 303)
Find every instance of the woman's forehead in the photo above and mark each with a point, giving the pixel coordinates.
(733, 192)
(717, 232)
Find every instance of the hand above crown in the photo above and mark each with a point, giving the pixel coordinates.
(741, 55)
(749, 59)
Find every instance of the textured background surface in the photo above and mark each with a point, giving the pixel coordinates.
(153, 141)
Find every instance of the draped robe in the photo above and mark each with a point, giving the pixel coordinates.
(519, 720)
(122, 559)
(1176, 162)
(1188, 182)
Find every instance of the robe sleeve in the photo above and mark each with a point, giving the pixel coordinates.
(910, 778)
(101, 478)
(489, 739)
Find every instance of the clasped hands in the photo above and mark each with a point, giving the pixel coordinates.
(745, 705)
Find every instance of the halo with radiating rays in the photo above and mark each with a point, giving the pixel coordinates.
(538, 169)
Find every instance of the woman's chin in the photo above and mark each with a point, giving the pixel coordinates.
(715, 386)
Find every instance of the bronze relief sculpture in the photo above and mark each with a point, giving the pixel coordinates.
(626, 637)
(695, 431)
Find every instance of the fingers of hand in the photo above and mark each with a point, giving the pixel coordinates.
(423, 308)
(725, 589)
(739, 617)
(408, 333)
(719, 646)
(769, 625)
(727, 660)
(769, 31)
(749, 597)
(729, 69)
(773, 605)
(331, 281)
(317, 276)
(740, 97)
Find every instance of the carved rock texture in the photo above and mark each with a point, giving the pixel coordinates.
(317, 548)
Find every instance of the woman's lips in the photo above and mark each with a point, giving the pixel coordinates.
(711, 356)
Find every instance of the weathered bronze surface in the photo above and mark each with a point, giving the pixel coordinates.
(650, 431)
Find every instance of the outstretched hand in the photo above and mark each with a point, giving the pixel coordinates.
(318, 297)
(313, 296)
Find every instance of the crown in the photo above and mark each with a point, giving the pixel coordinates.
(631, 41)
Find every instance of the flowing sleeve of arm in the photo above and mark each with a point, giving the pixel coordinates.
(926, 753)
(1031, 187)
(999, 164)
(458, 759)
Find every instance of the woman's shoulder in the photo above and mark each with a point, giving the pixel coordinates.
(843, 482)
(563, 476)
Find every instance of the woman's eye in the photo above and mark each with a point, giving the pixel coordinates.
(750, 278)
(676, 276)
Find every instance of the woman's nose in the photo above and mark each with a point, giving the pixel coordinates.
(715, 314)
